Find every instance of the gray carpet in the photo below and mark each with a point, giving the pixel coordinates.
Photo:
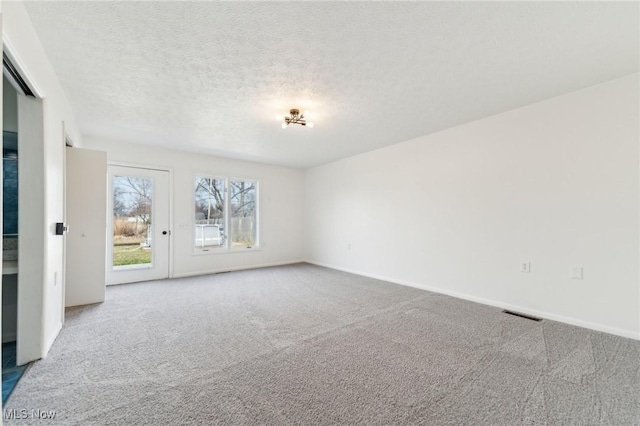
(307, 345)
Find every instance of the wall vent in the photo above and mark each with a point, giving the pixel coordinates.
(525, 316)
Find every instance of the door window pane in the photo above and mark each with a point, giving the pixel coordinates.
(132, 236)
(244, 218)
(210, 217)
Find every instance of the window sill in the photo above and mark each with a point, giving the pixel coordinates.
(226, 250)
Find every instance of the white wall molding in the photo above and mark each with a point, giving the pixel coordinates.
(236, 268)
(50, 339)
(13, 56)
(498, 304)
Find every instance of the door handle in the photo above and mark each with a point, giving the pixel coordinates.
(164, 232)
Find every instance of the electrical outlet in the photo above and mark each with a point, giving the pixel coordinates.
(575, 272)
(525, 267)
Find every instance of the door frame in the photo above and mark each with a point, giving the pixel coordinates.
(66, 142)
(171, 224)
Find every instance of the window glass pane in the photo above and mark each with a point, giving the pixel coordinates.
(132, 201)
(210, 212)
(244, 218)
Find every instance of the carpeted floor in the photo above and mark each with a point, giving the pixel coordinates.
(307, 345)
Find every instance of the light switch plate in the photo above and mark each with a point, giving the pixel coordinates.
(525, 267)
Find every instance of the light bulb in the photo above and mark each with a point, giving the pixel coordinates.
(309, 124)
(284, 125)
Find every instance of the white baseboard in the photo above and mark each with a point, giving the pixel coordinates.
(546, 315)
(54, 336)
(234, 268)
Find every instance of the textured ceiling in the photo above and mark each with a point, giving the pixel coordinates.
(214, 77)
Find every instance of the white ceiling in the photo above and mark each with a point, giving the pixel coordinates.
(214, 77)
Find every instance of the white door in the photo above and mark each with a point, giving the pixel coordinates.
(138, 225)
(32, 257)
(86, 190)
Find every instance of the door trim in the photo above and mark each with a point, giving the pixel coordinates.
(18, 65)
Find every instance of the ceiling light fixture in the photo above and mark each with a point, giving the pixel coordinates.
(296, 118)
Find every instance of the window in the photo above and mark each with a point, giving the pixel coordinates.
(242, 200)
(226, 214)
(210, 212)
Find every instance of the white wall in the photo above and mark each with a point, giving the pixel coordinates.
(555, 183)
(19, 33)
(280, 205)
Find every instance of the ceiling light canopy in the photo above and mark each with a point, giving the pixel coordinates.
(295, 117)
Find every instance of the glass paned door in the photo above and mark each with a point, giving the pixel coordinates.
(139, 234)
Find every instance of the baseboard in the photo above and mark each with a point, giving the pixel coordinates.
(234, 268)
(53, 338)
(546, 315)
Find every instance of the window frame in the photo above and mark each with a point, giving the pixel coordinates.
(227, 247)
